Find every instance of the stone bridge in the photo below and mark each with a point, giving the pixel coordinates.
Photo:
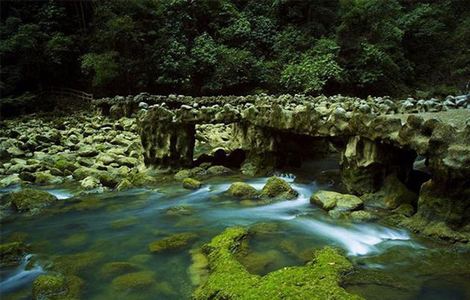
(376, 137)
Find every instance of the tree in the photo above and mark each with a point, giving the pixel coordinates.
(314, 69)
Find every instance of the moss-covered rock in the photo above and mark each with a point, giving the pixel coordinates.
(362, 216)
(264, 228)
(125, 222)
(135, 281)
(75, 240)
(11, 253)
(46, 178)
(10, 180)
(116, 268)
(242, 190)
(228, 279)
(173, 242)
(179, 211)
(218, 171)
(198, 271)
(73, 264)
(259, 262)
(182, 174)
(30, 201)
(57, 287)
(405, 209)
(276, 187)
(124, 184)
(49, 287)
(191, 184)
(90, 182)
(328, 200)
(65, 165)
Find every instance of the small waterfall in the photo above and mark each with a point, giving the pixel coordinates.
(20, 276)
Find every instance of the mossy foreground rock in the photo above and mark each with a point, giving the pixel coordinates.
(31, 201)
(276, 187)
(242, 190)
(173, 242)
(332, 200)
(57, 286)
(228, 279)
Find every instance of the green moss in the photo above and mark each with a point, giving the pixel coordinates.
(180, 175)
(11, 253)
(165, 288)
(77, 263)
(123, 223)
(124, 185)
(198, 271)
(141, 179)
(49, 287)
(179, 211)
(276, 187)
(117, 268)
(65, 165)
(228, 279)
(259, 262)
(29, 200)
(173, 242)
(242, 190)
(18, 236)
(191, 184)
(362, 216)
(57, 287)
(134, 281)
(88, 204)
(264, 228)
(75, 240)
(140, 259)
(46, 178)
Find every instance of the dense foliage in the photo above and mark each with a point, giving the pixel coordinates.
(197, 47)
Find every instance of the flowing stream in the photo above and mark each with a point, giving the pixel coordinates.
(390, 263)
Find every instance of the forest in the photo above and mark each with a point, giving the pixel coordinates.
(236, 47)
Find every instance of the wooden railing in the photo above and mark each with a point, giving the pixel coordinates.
(68, 92)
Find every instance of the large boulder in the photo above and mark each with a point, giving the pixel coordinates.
(328, 200)
(276, 187)
(242, 190)
(30, 201)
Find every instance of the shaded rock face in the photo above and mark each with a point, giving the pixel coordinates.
(165, 143)
(366, 163)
